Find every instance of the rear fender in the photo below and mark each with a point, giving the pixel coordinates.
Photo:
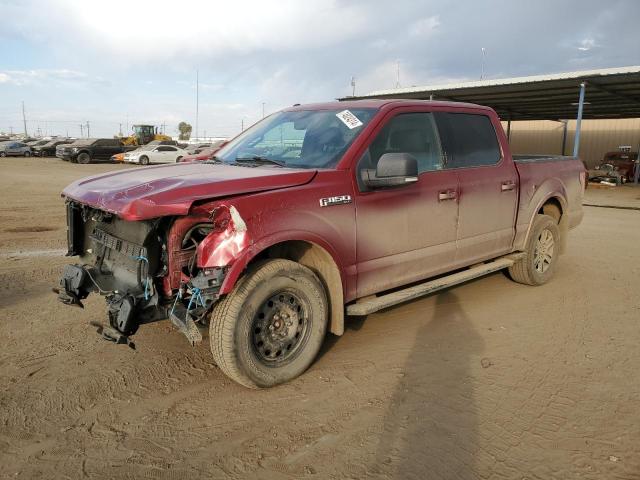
(546, 191)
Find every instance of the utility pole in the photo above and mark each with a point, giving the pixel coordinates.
(197, 99)
(263, 103)
(484, 52)
(398, 75)
(11, 131)
(81, 131)
(242, 125)
(88, 132)
(24, 120)
(353, 86)
(120, 129)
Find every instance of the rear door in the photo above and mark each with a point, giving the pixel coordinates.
(488, 183)
(167, 154)
(406, 233)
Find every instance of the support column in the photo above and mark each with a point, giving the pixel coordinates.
(636, 173)
(576, 141)
(564, 136)
(509, 130)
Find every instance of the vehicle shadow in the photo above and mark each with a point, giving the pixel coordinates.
(430, 429)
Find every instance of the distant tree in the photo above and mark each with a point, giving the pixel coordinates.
(185, 131)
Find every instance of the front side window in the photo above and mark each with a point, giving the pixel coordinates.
(300, 139)
(469, 140)
(412, 133)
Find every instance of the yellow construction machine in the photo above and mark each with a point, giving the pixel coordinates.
(143, 134)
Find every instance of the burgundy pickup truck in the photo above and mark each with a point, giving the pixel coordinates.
(314, 213)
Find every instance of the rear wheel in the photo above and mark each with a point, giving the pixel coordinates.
(178, 159)
(3, 154)
(27, 154)
(270, 328)
(144, 160)
(541, 253)
(84, 158)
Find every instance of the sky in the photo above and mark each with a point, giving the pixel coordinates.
(120, 62)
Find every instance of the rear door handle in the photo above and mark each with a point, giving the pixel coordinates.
(507, 186)
(447, 195)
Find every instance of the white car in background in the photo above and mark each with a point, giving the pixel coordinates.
(155, 154)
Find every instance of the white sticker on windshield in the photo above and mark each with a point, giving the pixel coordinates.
(349, 119)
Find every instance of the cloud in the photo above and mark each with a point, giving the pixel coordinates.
(425, 26)
(45, 77)
(587, 44)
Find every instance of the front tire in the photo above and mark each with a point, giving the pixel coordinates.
(84, 158)
(144, 160)
(27, 154)
(270, 328)
(3, 154)
(541, 253)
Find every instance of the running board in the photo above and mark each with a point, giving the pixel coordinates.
(378, 303)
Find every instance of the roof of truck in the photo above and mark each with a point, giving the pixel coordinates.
(379, 103)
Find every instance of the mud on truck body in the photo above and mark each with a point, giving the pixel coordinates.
(313, 209)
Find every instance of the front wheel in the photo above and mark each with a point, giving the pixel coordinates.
(270, 328)
(84, 158)
(541, 253)
(27, 154)
(3, 154)
(144, 160)
(178, 159)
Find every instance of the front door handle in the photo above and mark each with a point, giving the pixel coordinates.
(507, 186)
(447, 195)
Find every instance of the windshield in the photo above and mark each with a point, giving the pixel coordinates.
(300, 139)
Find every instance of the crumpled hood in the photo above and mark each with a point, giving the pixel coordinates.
(151, 192)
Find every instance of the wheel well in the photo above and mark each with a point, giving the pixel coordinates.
(322, 264)
(553, 208)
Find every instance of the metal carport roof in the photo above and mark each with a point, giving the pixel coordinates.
(609, 93)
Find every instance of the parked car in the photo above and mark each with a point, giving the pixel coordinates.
(49, 149)
(269, 245)
(88, 150)
(15, 149)
(623, 163)
(155, 154)
(205, 154)
(117, 158)
(35, 142)
(196, 148)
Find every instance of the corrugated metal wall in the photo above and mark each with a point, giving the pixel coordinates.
(597, 137)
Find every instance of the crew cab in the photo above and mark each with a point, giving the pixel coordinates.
(87, 150)
(316, 212)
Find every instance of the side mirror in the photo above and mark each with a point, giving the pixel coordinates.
(393, 170)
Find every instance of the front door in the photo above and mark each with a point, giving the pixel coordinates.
(406, 233)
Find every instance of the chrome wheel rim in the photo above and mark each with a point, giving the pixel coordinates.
(543, 254)
(280, 329)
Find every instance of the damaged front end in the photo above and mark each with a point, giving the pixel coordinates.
(148, 270)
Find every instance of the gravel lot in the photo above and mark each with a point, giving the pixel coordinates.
(488, 380)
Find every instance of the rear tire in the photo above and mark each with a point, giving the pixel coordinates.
(144, 160)
(3, 154)
(269, 329)
(541, 253)
(27, 154)
(178, 159)
(84, 158)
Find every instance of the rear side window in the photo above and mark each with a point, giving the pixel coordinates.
(468, 140)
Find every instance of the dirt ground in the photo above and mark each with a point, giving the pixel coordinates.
(489, 380)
